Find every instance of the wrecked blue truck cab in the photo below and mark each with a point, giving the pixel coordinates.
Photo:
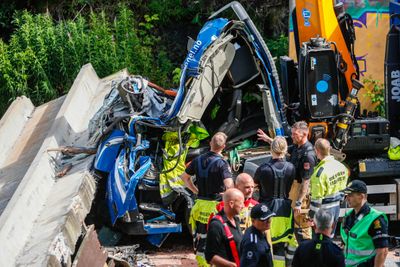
(146, 135)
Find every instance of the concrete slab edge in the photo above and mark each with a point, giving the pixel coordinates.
(18, 218)
(12, 123)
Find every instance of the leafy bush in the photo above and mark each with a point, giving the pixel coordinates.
(376, 92)
(279, 46)
(43, 57)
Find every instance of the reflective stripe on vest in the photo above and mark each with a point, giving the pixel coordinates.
(359, 246)
(278, 258)
(366, 252)
(338, 196)
(278, 261)
(231, 240)
(329, 177)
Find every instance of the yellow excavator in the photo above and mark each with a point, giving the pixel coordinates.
(328, 73)
(321, 84)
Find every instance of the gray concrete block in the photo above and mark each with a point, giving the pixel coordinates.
(43, 217)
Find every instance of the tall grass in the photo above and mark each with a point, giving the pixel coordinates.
(43, 57)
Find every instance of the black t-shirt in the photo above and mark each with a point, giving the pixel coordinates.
(210, 186)
(254, 249)
(217, 243)
(329, 255)
(378, 230)
(264, 177)
(304, 159)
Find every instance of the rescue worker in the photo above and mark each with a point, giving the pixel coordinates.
(245, 183)
(303, 157)
(254, 248)
(327, 182)
(213, 175)
(275, 179)
(224, 233)
(364, 230)
(320, 251)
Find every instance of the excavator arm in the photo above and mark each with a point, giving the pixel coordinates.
(324, 20)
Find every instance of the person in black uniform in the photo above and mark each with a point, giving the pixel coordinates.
(275, 179)
(213, 176)
(254, 248)
(303, 157)
(265, 173)
(224, 234)
(320, 251)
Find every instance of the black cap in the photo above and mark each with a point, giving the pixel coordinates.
(261, 212)
(356, 186)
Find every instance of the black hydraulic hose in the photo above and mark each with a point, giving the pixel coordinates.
(179, 138)
(179, 153)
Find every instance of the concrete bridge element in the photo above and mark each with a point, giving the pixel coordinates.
(41, 216)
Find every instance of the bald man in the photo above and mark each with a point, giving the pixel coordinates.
(245, 183)
(213, 176)
(327, 182)
(220, 250)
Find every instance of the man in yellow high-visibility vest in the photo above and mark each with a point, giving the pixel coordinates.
(327, 182)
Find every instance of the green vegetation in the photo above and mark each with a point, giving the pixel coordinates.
(376, 92)
(42, 53)
(278, 46)
(43, 58)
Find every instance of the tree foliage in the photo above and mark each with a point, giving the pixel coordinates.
(376, 92)
(43, 57)
(50, 43)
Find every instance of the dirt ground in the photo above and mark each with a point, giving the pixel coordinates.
(177, 251)
(184, 257)
(180, 256)
(393, 259)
